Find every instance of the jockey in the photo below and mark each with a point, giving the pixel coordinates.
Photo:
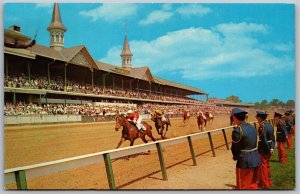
(186, 112)
(160, 115)
(201, 113)
(134, 117)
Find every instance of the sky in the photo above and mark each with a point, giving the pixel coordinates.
(246, 50)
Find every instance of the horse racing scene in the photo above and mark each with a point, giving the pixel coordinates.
(149, 96)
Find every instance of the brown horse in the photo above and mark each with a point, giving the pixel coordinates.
(160, 125)
(186, 117)
(201, 121)
(209, 118)
(130, 131)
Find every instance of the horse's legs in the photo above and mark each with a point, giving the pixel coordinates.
(132, 142)
(144, 139)
(121, 141)
(151, 136)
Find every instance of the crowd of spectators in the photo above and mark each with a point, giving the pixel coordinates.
(111, 109)
(57, 84)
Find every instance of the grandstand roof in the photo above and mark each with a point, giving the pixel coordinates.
(177, 85)
(69, 55)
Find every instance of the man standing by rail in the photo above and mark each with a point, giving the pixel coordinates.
(244, 151)
(266, 145)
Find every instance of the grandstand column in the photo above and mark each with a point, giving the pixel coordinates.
(14, 98)
(206, 97)
(28, 67)
(150, 87)
(130, 83)
(65, 77)
(49, 70)
(92, 79)
(103, 79)
(113, 82)
(6, 65)
(122, 83)
(48, 73)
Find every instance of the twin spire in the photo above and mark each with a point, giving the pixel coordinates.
(126, 55)
(57, 30)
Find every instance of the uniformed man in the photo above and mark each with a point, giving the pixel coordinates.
(281, 137)
(244, 151)
(293, 122)
(266, 145)
(289, 129)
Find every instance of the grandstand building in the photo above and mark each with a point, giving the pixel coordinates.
(227, 103)
(55, 74)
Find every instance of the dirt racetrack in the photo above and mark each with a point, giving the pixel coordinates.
(26, 145)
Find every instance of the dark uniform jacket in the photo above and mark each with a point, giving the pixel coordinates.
(266, 138)
(288, 125)
(281, 132)
(244, 146)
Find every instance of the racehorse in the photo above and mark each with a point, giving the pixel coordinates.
(130, 131)
(201, 121)
(186, 116)
(160, 125)
(209, 118)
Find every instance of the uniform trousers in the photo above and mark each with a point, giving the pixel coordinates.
(264, 171)
(281, 152)
(289, 141)
(246, 178)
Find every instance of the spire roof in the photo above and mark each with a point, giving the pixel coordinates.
(126, 50)
(56, 19)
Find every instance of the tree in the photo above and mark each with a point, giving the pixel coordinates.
(263, 103)
(274, 102)
(290, 103)
(235, 99)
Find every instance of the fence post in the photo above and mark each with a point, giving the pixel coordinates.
(162, 162)
(225, 138)
(109, 171)
(192, 151)
(211, 144)
(21, 180)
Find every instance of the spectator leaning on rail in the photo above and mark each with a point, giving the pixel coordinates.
(281, 137)
(244, 151)
(266, 145)
(289, 129)
(134, 117)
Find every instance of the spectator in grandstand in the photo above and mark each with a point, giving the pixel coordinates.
(266, 145)
(281, 137)
(244, 151)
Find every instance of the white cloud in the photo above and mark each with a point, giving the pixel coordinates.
(284, 47)
(198, 53)
(157, 16)
(193, 9)
(167, 6)
(44, 5)
(111, 12)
